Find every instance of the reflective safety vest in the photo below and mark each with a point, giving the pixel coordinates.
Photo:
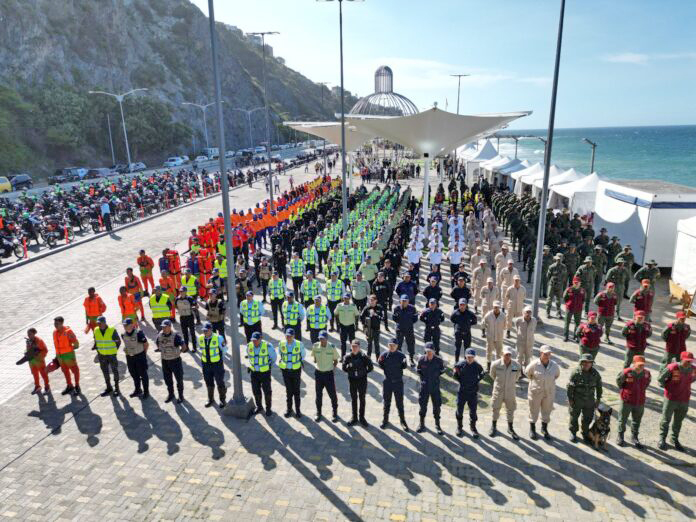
(213, 348)
(290, 357)
(189, 282)
(251, 313)
(276, 288)
(347, 271)
(322, 243)
(195, 248)
(259, 362)
(159, 307)
(309, 256)
(291, 313)
(310, 289)
(318, 317)
(334, 291)
(105, 344)
(355, 255)
(62, 341)
(296, 268)
(222, 268)
(221, 249)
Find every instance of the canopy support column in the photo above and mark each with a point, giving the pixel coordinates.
(426, 192)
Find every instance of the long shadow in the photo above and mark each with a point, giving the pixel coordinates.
(134, 426)
(87, 422)
(52, 416)
(202, 432)
(164, 427)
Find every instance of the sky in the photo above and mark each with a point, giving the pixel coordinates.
(624, 62)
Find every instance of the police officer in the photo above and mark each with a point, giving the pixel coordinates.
(371, 318)
(405, 316)
(430, 367)
(468, 373)
(357, 365)
(433, 317)
(171, 345)
(292, 314)
(250, 312)
(325, 357)
(212, 346)
(584, 392)
(334, 290)
(310, 288)
(106, 343)
(215, 307)
(347, 315)
(393, 362)
(261, 356)
(318, 317)
(383, 291)
(463, 320)
(292, 354)
(135, 345)
(276, 290)
(185, 307)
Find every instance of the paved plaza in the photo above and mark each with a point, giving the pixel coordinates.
(94, 458)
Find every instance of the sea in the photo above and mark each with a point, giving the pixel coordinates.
(666, 153)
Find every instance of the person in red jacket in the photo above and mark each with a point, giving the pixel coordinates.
(636, 333)
(94, 307)
(606, 308)
(632, 382)
(676, 379)
(643, 298)
(574, 297)
(675, 336)
(37, 352)
(590, 335)
(135, 288)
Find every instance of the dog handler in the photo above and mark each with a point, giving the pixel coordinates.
(584, 391)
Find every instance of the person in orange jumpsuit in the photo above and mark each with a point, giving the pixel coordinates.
(146, 265)
(126, 303)
(168, 284)
(135, 288)
(94, 307)
(65, 343)
(37, 351)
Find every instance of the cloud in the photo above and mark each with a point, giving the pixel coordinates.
(645, 58)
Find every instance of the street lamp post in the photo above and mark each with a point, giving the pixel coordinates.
(239, 406)
(545, 142)
(119, 99)
(111, 141)
(263, 34)
(249, 113)
(594, 146)
(321, 86)
(459, 88)
(516, 140)
(203, 108)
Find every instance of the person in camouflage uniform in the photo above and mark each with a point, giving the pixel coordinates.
(584, 392)
(586, 247)
(626, 255)
(557, 276)
(571, 260)
(619, 276)
(599, 262)
(586, 272)
(606, 304)
(546, 261)
(613, 250)
(602, 239)
(649, 271)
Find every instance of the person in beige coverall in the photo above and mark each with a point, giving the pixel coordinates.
(542, 374)
(525, 327)
(494, 324)
(479, 277)
(505, 373)
(514, 302)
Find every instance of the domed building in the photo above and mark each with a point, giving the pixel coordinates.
(384, 101)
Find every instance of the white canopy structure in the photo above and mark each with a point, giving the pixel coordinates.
(528, 180)
(489, 166)
(683, 272)
(485, 153)
(577, 196)
(532, 169)
(331, 132)
(565, 177)
(504, 172)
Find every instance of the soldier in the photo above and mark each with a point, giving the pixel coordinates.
(584, 392)
(505, 373)
(650, 272)
(542, 374)
(525, 327)
(626, 255)
(632, 382)
(574, 297)
(557, 277)
(590, 335)
(606, 303)
(643, 298)
(469, 374)
(494, 323)
(546, 261)
(675, 336)
(292, 354)
(429, 369)
(618, 275)
(676, 379)
(571, 259)
(586, 272)
(393, 362)
(480, 276)
(613, 249)
(261, 357)
(599, 262)
(636, 333)
(514, 302)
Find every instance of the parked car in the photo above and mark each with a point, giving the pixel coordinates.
(229, 154)
(21, 181)
(185, 158)
(5, 185)
(259, 149)
(138, 167)
(99, 173)
(174, 161)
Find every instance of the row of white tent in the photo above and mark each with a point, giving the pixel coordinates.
(568, 189)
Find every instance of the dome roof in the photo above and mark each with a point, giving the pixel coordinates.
(384, 101)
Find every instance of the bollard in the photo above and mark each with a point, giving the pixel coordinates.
(101, 222)
(65, 231)
(24, 245)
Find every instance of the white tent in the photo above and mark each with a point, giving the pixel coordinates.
(527, 180)
(577, 196)
(484, 154)
(331, 132)
(513, 166)
(490, 166)
(683, 272)
(565, 177)
(529, 170)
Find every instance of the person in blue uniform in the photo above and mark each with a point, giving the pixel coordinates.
(433, 318)
(393, 362)
(429, 369)
(405, 316)
(468, 374)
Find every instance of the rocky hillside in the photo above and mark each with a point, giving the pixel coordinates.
(52, 52)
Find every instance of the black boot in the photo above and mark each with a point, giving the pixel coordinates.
(180, 400)
(353, 421)
(474, 431)
(136, 393)
(117, 392)
(634, 440)
(421, 425)
(211, 398)
(334, 418)
(438, 429)
(532, 431)
(677, 445)
(663, 444)
(385, 421)
(460, 430)
(573, 437)
(620, 439)
(170, 397)
(288, 413)
(494, 429)
(511, 432)
(545, 430)
(108, 391)
(317, 418)
(488, 366)
(68, 390)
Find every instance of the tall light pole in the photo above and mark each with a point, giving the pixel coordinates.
(344, 186)
(248, 114)
(459, 88)
(321, 86)
(119, 99)
(203, 108)
(516, 140)
(545, 142)
(263, 34)
(111, 141)
(594, 146)
(536, 291)
(239, 406)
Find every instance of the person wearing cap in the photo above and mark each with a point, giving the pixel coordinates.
(599, 262)
(94, 307)
(501, 258)
(546, 261)
(505, 277)
(574, 297)
(571, 259)
(619, 276)
(589, 335)
(292, 314)
(637, 332)
(584, 391)
(263, 274)
(280, 262)
(171, 345)
(505, 373)
(460, 291)
(393, 362)
(297, 269)
(494, 324)
(347, 269)
(310, 288)
(106, 343)
(676, 379)
(643, 298)
(291, 357)
(357, 365)
(488, 295)
(160, 306)
(628, 259)
(325, 356)
(463, 320)
(189, 283)
(215, 284)
(613, 249)
(675, 335)
(65, 343)
(649, 272)
(322, 244)
(632, 383)
(557, 277)
(525, 328)
(318, 317)
(310, 256)
(382, 289)
(606, 305)
(587, 274)
(185, 307)
(468, 373)
(514, 302)
(347, 315)
(360, 289)
(213, 348)
(276, 291)
(371, 318)
(146, 264)
(250, 312)
(542, 374)
(433, 317)
(215, 311)
(429, 369)
(368, 270)
(334, 292)
(407, 287)
(135, 346)
(405, 316)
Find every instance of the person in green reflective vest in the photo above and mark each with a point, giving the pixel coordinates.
(261, 357)
(292, 354)
(106, 343)
(212, 347)
(318, 317)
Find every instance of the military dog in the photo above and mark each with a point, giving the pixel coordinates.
(599, 429)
